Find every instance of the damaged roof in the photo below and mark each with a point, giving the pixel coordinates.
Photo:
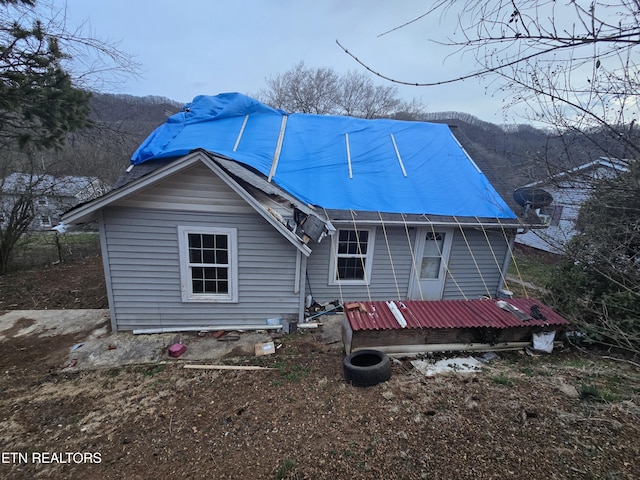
(333, 162)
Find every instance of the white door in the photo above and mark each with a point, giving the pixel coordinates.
(430, 267)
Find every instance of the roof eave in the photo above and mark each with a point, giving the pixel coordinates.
(349, 217)
(88, 212)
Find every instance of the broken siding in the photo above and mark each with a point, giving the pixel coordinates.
(383, 283)
(473, 268)
(144, 263)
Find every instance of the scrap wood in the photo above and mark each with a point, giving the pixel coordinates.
(356, 306)
(226, 367)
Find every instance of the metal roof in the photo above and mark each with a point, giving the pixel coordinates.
(448, 314)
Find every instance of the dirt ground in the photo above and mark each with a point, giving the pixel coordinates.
(79, 284)
(570, 414)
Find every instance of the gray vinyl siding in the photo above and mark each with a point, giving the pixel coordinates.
(197, 189)
(145, 271)
(463, 275)
(140, 242)
(383, 283)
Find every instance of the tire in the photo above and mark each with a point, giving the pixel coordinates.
(365, 368)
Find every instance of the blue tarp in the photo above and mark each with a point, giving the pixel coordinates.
(335, 162)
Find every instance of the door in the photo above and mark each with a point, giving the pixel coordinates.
(430, 267)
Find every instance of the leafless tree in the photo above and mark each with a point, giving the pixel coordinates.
(46, 72)
(572, 65)
(303, 90)
(322, 91)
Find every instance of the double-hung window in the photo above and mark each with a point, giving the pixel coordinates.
(352, 256)
(208, 264)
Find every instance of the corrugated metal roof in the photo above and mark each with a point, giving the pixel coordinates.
(449, 314)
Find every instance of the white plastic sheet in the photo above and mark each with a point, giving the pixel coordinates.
(459, 365)
(543, 341)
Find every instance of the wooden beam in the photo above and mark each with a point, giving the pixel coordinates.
(226, 367)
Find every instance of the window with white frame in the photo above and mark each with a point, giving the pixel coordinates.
(352, 254)
(45, 220)
(208, 264)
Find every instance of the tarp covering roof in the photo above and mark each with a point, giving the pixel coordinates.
(334, 162)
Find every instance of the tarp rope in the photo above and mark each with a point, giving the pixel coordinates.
(446, 263)
(364, 266)
(413, 257)
(515, 263)
(473, 257)
(393, 270)
(334, 255)
(503, 274)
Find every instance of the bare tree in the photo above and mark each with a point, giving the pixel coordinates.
(303, 90)
(322, 91)
(573, 65)
(359, 97)
(16, 214)
(45, 73)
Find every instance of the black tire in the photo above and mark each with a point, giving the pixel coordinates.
(365, 368)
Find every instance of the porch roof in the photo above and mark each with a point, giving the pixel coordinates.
(445, 314)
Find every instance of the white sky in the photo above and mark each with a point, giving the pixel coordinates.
(205, 47)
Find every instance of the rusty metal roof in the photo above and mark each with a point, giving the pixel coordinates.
(448, 314)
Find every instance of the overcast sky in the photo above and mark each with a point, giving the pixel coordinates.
(205, 47)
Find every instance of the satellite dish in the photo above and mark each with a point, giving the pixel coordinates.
(532, 197)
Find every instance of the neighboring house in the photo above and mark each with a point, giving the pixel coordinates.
(233, 213)
(51, 196)
(569, 190)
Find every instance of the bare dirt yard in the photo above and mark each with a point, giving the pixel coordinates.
(571, 414)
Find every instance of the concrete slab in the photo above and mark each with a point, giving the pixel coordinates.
(95, 346)
(16, 323)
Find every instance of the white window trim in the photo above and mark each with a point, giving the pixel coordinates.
(368, 259)
(45, 220)
(186, 285)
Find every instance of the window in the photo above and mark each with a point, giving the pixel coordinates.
(43, 201)
(352, 256)
(45, 220)
(432, 256)
(208, 264)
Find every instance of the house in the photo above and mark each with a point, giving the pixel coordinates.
(233, 213)
(568, 191)
(50, 196)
